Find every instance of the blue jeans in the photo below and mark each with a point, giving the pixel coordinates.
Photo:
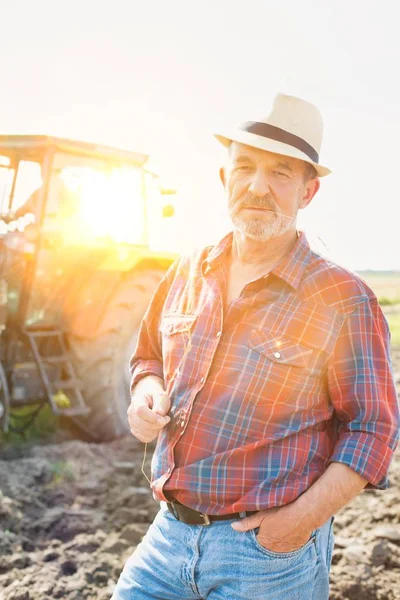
(175, 561)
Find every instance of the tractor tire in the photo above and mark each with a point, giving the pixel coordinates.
(101, 361)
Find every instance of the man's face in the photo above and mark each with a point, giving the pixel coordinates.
(265, 191)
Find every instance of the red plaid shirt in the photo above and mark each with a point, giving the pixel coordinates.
(267, 391)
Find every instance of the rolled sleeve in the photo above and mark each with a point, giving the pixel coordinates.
(147, 358)
(143, 368)
(367, 455)
(363, 394)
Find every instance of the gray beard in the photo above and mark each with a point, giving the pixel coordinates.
(259, 230)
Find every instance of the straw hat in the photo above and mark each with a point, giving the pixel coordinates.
(293, 128)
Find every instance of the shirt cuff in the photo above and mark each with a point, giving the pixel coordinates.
(144, 368)
(366, 455)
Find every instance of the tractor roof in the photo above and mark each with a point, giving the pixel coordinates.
(33, 147)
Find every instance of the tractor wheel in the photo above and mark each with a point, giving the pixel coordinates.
(102, 361)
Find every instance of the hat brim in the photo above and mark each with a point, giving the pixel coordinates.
(262, 143)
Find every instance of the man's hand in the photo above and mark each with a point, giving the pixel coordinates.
(278, 532)
(289, 527)
(148, 409)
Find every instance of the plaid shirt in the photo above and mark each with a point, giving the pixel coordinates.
(267, 391)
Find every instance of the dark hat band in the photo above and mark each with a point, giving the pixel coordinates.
(280, 135)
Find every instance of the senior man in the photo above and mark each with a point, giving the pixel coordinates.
(263, 370)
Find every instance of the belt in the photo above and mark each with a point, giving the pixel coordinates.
(193, 517)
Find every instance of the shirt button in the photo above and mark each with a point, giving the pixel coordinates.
(202, 380)
(169, 470)
(219, 333)
(277, 354)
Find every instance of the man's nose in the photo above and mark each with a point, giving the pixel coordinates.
(259, 185)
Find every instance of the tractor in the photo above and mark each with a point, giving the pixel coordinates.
(77, 272)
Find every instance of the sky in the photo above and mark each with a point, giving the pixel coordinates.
(161, 77)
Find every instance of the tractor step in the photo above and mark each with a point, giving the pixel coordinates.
(67, 384)
(49, 350)
(73, 412)
(54, 360)
(46, 332)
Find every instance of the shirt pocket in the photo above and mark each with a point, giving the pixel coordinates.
(176, 339)
(280, 350)
(283, 369)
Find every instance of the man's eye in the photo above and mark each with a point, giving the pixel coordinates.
(242, 168)
(280, 173)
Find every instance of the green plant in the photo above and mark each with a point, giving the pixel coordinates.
(42, 427)
(394, 326)
(385, 301)
(61, 471)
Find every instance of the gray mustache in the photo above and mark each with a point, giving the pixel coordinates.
(252, 202)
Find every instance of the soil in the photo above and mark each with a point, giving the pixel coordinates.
(71, 513)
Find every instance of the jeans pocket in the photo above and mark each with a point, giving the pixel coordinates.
(331, 543)
(291, 554)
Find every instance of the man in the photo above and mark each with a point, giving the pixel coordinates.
(263, 371)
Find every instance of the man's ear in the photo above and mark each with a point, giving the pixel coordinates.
(312, 188)
(222, 176)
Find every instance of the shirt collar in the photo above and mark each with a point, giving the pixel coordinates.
(222, 248)
(290, 269)
(292, 266)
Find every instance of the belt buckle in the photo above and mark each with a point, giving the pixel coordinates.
(205, 519)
